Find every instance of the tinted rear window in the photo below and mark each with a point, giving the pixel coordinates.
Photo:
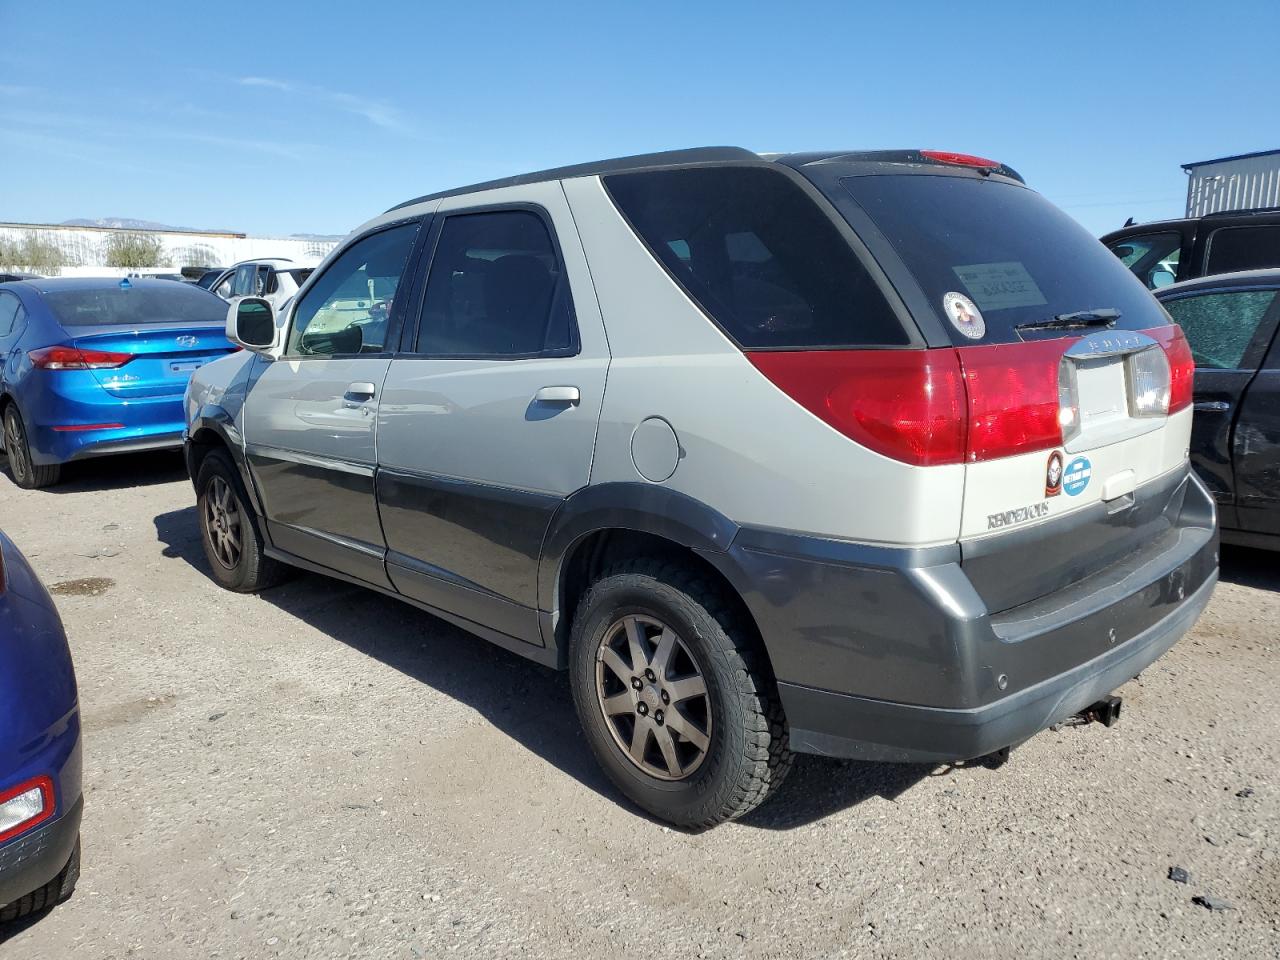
(759, 256)
(1001, 247)
(155, 301)
(1243, 248)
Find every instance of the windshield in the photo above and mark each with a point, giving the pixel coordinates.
(159, 301)
(993, 256)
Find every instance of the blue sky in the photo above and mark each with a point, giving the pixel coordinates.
(288, 118)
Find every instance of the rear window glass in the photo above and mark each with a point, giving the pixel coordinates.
(1001, 248)
(758, 255)
(1243, 248)
(143, 301)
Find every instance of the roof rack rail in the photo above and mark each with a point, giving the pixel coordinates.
(640, 161)
(1243, 213)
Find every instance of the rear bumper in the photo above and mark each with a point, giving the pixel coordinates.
(150, 425)
(892, 654)
(30, 861)
(839, 725)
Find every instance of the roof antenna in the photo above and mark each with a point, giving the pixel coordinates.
(1130, 222)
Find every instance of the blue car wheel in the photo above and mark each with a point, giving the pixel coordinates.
(26, 473)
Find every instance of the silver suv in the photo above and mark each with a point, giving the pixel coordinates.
(872, 455)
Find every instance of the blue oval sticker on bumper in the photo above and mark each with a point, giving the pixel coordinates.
(1076, 477)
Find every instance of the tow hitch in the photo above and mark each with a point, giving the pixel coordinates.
(1106, 712)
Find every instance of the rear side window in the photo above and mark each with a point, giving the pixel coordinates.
(1002, 248)
(8, 313)
(1152, 257)
(496, 289)
(1225, 330)
(143, 301)
(1243, 248)
(759, 256)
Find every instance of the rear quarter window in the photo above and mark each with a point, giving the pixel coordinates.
(759, 256)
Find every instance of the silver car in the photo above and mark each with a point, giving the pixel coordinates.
(872, 455)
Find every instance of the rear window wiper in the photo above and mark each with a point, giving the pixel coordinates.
(1099, 317)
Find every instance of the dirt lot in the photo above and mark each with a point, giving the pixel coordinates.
(323, 772)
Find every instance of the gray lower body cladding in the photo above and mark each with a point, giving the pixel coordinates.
(31, 861)
(891, 654)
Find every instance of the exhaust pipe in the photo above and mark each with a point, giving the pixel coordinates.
(1106, 712)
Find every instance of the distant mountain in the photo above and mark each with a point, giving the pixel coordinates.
(128, 223)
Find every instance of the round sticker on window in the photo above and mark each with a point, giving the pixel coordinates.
(964, 315)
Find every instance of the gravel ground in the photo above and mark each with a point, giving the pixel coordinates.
(324, 772)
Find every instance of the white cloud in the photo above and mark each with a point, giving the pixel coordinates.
(378, 112)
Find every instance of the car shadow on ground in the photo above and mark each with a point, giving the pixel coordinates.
(115, 472)
(1249, 567)
(14, 927)
(529, 703)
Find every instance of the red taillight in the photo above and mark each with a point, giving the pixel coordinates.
(1182, 366)
(1014, 403)
(905, 404)
(73, 358)
(24, 806)
(959, 159)
(930, 407)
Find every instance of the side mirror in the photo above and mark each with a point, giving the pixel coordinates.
(1161, 277)
(251, 322)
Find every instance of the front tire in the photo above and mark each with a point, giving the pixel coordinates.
(25, 472)
(233, 544)
(675, 696)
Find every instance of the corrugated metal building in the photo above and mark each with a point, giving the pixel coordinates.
(1246, 181)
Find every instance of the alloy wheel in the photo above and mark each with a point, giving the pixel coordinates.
(15, 445)
(222, 522)
(653, 695)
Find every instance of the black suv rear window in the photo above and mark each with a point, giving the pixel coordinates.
(758, 255)
(1002, 247)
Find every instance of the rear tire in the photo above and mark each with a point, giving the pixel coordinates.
(51, 894)
(24, 471)
(736, 751)
(233, 543)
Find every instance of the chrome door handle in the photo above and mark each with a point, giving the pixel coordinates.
(569, 395)
(1213, 406)
(363, 391)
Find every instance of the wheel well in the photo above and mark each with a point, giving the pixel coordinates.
(203, 442)
(590, 556)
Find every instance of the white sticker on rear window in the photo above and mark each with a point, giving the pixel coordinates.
(964, 315)
(999, 286)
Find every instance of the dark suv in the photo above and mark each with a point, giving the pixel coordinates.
(1166, 251)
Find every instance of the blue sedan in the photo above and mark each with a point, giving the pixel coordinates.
(92, 366)
(40, 789)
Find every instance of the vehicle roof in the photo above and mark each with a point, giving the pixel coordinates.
(51, 284)
(273, 261)
(1147, 225)
(690, 157)
(1243, 278)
